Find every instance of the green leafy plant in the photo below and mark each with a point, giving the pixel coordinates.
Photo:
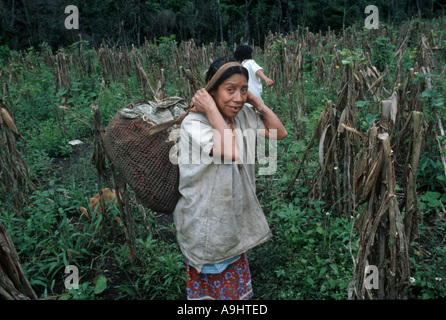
(381, 53)
(348, 56)
(87, 291)
(165, 272)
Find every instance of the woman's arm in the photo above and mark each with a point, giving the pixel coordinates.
(270, 119)
(224, 140)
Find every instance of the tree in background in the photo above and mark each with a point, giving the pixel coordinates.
(28, 23)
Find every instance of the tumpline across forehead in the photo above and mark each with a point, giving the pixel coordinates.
(217, 78)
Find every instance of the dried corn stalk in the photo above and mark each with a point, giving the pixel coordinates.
(62, 72)
(358, 172)
(14, 174)
(14, 184)
(98, 158)
(13, 282)
(384, 235)
(339, 143)
(143, 76)
(382, 241)
(115, 63)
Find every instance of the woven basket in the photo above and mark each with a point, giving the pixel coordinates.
(142, 161)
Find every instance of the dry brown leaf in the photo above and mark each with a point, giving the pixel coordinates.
(377, 83)
(351, 129)
(8, 120)
(371, 177)
(321, 146)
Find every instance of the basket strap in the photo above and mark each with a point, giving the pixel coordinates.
(165, 125)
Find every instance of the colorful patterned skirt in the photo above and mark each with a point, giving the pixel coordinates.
(234, 283)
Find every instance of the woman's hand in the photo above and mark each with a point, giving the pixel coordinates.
(202, 101)
(270, 119)
(252, 99)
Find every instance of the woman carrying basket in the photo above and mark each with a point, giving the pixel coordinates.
(218, 217)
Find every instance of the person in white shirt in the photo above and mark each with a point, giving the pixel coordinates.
(243, 54)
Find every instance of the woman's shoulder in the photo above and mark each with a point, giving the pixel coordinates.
(251, 63)
(195, 121)
(250, 117)
(249, 111)
(196, 117)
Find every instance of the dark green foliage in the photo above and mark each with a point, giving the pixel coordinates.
(29, 23)
(382, 53)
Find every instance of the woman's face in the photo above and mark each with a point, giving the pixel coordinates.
(231, 95)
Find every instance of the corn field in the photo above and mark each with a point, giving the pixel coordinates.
(365, 171)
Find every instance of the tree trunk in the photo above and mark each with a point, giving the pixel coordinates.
(286, 17)
(247, 4)
(138, 27)
(219, 20)
(121, 22)
(13, 282)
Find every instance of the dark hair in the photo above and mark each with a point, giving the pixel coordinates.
(243, 52)
(228, 73)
